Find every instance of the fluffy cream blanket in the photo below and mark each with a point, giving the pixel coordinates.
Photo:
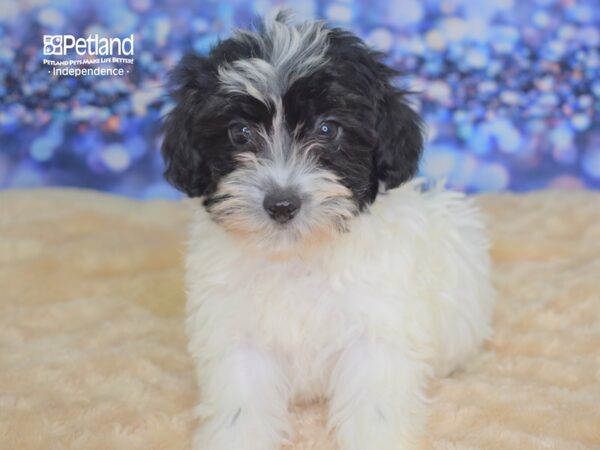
(92, 347)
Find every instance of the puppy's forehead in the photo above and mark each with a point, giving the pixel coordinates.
(279, 55)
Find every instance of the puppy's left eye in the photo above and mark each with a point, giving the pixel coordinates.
(240, 134)
(328, 130)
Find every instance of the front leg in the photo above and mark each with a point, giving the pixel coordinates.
(377, 397)
(244, 402)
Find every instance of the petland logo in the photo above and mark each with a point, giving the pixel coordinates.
(60, 44)
(105, 53)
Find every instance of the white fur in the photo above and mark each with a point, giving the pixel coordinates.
(363, 318)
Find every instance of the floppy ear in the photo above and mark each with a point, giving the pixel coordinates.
(400, 133)
(186, 168)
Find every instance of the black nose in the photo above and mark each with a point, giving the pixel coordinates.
(281, 207)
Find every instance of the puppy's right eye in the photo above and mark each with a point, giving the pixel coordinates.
(240, 134)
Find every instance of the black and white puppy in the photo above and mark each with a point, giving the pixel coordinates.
(316, 267)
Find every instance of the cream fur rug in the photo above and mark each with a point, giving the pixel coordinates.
(92, 349)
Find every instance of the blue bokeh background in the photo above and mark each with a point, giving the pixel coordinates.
(509, 88)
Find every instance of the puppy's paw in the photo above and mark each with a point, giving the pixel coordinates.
(372, 428)
(238, 429)
(377, 399)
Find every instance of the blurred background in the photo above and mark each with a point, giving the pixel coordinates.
(509, 89)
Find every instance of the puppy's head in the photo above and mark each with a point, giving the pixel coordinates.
(288, 132)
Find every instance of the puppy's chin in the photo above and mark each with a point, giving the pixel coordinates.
(283, 245)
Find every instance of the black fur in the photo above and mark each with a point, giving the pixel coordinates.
(381, 139)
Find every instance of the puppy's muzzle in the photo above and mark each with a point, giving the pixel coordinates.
(282, 206)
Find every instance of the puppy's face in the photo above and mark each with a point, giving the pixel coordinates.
(287, 133)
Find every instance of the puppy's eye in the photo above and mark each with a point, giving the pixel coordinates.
(240, 134)
(328, 130)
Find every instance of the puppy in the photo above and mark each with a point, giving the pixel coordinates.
(316, 267)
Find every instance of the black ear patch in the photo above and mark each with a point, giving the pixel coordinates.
(186, 168)
(398, 128)
(400, 133)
